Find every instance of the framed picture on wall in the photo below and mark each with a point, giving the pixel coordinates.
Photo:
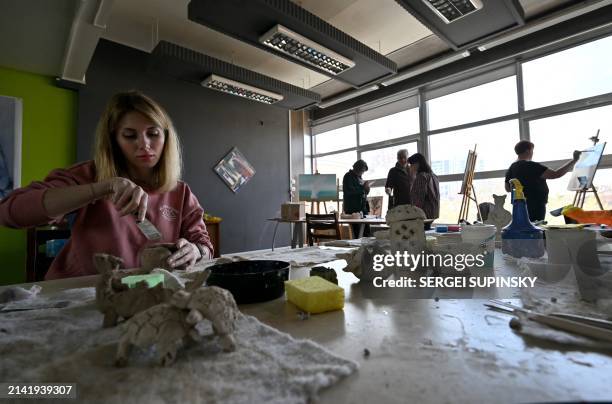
(10, 144)
(234, 169)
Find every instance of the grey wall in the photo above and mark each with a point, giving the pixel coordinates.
(209, 124)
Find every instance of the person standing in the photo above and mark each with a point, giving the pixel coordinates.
(425, 188)
(533, 177)
(399, 181)
(355, 191)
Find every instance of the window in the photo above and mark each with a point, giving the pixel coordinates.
(495, 148)
(337, 139)
(556, 137)
(337, 164)
(490, 100)
(380, 161)
(389, 127)
(450, 202)
(575, 73)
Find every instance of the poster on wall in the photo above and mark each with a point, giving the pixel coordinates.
(234, 169)
(10, 145)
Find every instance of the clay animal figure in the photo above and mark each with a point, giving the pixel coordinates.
(116, 300)
(168, 326)
(216, 305)
(499, 216)
(164, 325)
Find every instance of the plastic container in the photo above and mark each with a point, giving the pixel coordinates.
(483, 236)
(567, 246)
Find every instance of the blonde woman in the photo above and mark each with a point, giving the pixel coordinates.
(135, 174)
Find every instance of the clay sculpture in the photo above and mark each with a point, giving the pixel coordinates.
(156, 256)
(215, 304)
(116, 300)
(164, 326)
(168, 326)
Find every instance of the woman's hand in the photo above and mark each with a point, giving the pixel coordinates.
(188, 253)
(127, 197)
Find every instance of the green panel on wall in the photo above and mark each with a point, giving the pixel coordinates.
(48, 142)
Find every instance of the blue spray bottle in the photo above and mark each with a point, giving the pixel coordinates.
(521, 238)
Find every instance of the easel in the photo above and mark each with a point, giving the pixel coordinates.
(580, 195)
(467, 187)
(315, 207)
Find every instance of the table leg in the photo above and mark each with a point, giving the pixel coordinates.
(294, 236)
(361, 229)
(300, 227)
(274, 236)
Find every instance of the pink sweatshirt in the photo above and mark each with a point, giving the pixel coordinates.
(98, 228)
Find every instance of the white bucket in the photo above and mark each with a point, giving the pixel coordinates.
(483, 236)
(564, 245)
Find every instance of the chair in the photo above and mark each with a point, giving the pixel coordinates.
(322, 227)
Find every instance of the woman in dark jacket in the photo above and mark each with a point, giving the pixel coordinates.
(355, 191)
(425, 189)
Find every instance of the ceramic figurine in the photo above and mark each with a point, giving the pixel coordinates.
(406, 229)
(499, 217)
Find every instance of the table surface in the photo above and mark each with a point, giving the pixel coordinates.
(426, 350)
(303, 220)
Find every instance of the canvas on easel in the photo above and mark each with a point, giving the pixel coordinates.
(467, 186)
(584, 171)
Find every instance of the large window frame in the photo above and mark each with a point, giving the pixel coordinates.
(465, 81)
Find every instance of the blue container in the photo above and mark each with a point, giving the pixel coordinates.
(521, 238)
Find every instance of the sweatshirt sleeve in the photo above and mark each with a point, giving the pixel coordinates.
(193, 228)
(418, 190)
(24, 206)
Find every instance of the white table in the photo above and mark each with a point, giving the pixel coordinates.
(449, 351)
(297, 237)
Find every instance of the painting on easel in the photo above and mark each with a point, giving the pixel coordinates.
(586, 167)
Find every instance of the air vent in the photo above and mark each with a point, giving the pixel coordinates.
(290, 43)
(464, 24)
(451, 10)
(232, 87)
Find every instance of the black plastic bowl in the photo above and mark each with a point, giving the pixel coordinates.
(251, 281)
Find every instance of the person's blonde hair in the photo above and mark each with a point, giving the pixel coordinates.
(108, 157)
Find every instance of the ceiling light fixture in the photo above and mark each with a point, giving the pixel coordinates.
(228, 86)
(426, 67)
(451, 10)
(299, 47)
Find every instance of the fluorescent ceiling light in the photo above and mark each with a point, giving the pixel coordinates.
(426, 67)
(228, 86)
(452, 10)
(347, 96)
(290, 43)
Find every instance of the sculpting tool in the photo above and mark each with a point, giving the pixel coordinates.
(148, 229)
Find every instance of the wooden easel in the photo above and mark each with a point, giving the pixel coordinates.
(467, 187)
(580, 195)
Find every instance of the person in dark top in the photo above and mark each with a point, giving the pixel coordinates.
(399, 181)
(355, 191)
(533, 177)
(425, 187)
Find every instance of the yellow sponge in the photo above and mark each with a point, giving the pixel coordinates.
(315, 294)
